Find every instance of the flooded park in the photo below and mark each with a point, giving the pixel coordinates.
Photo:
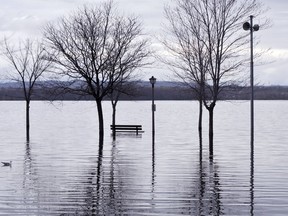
(61, 171)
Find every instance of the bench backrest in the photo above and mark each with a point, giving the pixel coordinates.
(127, 127)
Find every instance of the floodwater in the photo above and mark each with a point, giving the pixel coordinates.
(61, 171)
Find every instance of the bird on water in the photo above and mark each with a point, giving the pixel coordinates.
(7, 163)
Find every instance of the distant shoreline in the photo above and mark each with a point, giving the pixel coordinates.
(163, 91)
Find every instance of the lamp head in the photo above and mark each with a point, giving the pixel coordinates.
(152, 80)
(256, 27)
(246, 26)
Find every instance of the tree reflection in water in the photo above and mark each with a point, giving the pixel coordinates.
(111, 189)
(30, 179)
(208, 197)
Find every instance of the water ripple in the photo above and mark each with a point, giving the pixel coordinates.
(60, 172)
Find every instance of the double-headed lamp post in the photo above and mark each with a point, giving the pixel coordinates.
(153, 81)
(250, 27)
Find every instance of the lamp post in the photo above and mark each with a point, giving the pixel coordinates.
(250, 27)
(153, 81)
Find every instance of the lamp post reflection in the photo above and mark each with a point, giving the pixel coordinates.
(252, 182)
(153, 81)
(250, 27)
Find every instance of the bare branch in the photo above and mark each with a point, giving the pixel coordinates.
(29, 62)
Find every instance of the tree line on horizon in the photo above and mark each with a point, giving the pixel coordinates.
(96, 52)
(177, 91)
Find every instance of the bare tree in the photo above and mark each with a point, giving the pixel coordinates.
(125, 60)
(95, 47)
(209, 45)
(188, 51)
(29, 61)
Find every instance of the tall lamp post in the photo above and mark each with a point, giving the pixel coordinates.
(250, 27)
(153, 81)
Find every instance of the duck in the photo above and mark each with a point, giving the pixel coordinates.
(7, 163)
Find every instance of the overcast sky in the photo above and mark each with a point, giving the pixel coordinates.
(26, 18)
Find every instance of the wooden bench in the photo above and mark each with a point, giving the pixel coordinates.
(127, 128)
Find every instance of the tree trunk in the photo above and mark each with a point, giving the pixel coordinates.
(28, 120)
(114, 119)
(211, 133)
(101, 122)
(200, 124)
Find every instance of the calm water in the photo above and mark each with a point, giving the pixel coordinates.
(60, 171)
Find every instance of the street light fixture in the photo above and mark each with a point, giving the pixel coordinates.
(250, 27)
(153, 81)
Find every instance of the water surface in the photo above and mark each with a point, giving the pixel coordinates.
(61, 172)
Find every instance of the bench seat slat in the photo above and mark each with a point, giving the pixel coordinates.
(124, 128)
(127, 128)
